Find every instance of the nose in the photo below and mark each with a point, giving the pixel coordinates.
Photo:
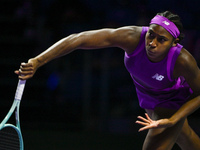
(153, 43)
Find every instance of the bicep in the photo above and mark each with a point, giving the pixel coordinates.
(194, 81)
(95, 39)
(125, 38)
(190, 71)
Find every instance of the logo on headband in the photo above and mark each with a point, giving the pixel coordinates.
(166, 23)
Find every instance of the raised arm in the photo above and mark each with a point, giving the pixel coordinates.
(125, 38)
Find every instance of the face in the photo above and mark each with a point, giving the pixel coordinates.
(158, 43)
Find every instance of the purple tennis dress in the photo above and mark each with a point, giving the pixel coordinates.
(154, 82)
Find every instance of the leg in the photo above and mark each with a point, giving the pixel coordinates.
(163, 138)
(188, 139)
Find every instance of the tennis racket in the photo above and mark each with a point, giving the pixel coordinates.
(10, 134)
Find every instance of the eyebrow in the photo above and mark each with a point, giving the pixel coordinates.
(160, 36)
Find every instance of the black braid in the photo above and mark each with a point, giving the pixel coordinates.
(176, 20)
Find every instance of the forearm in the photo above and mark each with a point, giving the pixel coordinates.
(188, 108)
(60, 48)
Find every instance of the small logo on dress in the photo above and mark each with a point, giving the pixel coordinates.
(166, 23)
(158, 77)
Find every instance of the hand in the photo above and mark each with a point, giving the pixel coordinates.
(27, 70)
(148, 123)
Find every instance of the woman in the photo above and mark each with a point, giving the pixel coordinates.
(166, 76)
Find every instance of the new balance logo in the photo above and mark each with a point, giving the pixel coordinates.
(166, 23)
(158, 77)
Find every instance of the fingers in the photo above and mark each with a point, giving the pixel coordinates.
(146, 122)
(26, 65)
(25, 71)
(143, 119)
(142, 123)
(17, 72)
(145, 128)
(147, 116)
(26, 68)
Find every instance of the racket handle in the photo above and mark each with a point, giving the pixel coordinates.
(20, 89)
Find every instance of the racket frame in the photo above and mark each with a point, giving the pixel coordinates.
(15, 107)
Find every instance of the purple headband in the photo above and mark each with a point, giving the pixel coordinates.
(167, 24)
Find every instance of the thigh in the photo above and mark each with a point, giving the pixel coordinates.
(188, 139)
(162, 139)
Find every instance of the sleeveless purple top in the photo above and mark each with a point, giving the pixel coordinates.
(154, 82)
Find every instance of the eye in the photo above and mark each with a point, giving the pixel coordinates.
(151, 35)
(161, 40)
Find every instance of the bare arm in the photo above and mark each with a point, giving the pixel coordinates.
(96, 39)
(126, 38)
(186, 66)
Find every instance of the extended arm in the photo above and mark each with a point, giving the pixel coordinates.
(126, 38)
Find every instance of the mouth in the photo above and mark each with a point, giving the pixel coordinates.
(150, 53)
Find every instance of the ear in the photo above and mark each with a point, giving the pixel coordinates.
(175, 41)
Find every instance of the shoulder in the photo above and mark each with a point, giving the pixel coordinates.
(184, 62)
(187, 67)
(128, 37)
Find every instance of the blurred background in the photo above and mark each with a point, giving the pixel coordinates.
(85, 100)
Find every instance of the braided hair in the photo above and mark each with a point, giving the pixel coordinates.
(176, 20)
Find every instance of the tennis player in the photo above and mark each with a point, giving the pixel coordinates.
(165, 74)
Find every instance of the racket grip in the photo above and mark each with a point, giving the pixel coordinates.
(20, 89)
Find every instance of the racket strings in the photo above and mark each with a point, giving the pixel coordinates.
(9, 139)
